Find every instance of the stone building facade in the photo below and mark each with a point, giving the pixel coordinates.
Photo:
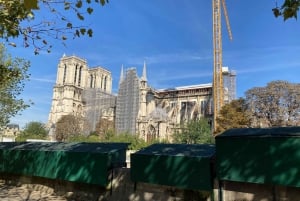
(168, 108)
(9, 133)
(155, 114)
(137, 108)
(74, 80)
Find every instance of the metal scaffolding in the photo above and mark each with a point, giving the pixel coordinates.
(98, 104)
(229, 79)
(127, 107)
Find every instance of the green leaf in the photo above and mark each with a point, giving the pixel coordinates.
(64, 38)
(82, 31)
(289, 13)
(90, 32)
(102, 2)
(77, 33)
(276, 12)
(78, 4)
(31, 4)
(80, 16)
(69, 25)
(89, 10)
(67, 5)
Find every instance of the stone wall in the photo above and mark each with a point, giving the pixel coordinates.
(239, 191)
(123, 189)
(120, 189)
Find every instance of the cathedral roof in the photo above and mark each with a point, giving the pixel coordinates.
(208, 85)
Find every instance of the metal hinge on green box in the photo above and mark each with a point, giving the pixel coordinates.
(259, 155)
(178, 165)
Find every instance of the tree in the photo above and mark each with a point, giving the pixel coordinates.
(68, 126)
(33, 130)
(194, 132)
(277, 104)
(83, 138)
(135, 143)
(104, 127)
(288, 9)
(18, 19)
(13, 74)
(234, 115)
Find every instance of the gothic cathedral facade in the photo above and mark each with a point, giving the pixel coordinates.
(73, 78)
(137, 109)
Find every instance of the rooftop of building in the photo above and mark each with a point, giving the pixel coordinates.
(198, 86)
(11, 126)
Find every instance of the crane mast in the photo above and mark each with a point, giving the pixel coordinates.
(218, 89)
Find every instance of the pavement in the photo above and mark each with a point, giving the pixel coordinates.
(24, 193)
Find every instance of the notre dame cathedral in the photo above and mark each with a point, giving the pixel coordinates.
(137, 108)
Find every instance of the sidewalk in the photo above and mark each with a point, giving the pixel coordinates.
(22, 193)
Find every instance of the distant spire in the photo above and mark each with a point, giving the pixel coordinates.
(121, 75)
(144, 76)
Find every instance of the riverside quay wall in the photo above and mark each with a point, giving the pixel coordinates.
(243, 165)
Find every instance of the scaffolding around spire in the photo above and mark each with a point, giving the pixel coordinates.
(127, 104)
(229, 84)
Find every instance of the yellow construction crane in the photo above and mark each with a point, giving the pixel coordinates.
(218, 90)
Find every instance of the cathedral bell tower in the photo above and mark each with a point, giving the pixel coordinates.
(67, 92)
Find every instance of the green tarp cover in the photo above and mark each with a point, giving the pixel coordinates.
(78, 162)
(266, 156)
(262, 132)
(179, 165)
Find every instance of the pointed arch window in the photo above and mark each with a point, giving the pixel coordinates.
(105, 80)
(95, 81)
(91, 79)
(75, 77)
(79, 76)
(151, 133)
(65, 74)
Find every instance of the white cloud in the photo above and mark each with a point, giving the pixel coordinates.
(266, 59)
(43, 80)
(175, 57)
(189, 75)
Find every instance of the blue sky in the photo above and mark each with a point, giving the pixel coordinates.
(174, 37)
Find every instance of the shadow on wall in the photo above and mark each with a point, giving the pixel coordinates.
(19, 187)
(125, 189)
